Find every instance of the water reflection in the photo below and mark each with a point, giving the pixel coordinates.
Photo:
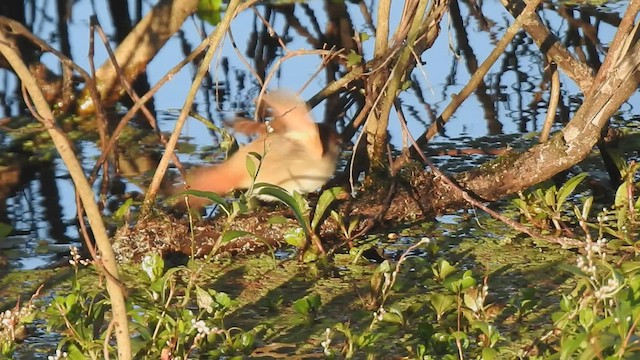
(511, 100)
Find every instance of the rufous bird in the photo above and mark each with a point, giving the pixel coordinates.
(297, 153)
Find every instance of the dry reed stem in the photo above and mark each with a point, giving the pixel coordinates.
(213, 42)
(65, 149)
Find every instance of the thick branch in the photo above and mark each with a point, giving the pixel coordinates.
(139, 47)
(423, 194)
(116, 294)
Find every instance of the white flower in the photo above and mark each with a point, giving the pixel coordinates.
(201, 327)
(325, 344)
(58, 355)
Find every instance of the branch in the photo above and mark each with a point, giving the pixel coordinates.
(139, 47)
(477, 77)
(549, 44)
(213, 41)
(64, 147)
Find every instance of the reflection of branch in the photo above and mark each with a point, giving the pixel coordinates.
(243, 59)
(467, 53)
(213, 41)
(83, 188)
(141, 45)
(477, 77)
(288, 55)
(550, 45)
(124, 82)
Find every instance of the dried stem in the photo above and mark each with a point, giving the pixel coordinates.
(64, 147)
(213, 41)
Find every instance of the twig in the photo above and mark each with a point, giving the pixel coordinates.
(102, 121)
(243, 59)
(213, 41)
(138, 104)
(477, 77)
(335, 86)
(116, 295)
(564, 241)
(131, 92)
(618, 45)
(107, 335)
(287, 56)
(554, 99)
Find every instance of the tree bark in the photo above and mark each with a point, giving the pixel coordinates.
(138, 48)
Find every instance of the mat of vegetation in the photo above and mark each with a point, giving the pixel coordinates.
(465, 286)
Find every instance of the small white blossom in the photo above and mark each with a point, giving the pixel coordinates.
(327, 342)
(58, 355)
(201, 327)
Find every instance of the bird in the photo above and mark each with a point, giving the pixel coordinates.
(295, 153)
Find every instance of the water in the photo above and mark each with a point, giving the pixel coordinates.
(43, 211)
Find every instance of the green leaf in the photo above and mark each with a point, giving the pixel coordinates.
(572, 270)
(222, 298)
(302, 306)
(586, 317)
(328, 196)
(622, 196)
(489, 353)
(568, 187)
(229, 144)
(586, 207)
(204, 300)
(209, 5)
(569, 346)
(247, 339)
(215, 198)
(5, 230)
(461, 337)
(209, 10)
(295, 236)
(566, 304)
(240, 206)
(550, 197)
(303, 205)
(353, 59)
(122, 211)
(442, 303)
(472, 302)
(629, 268)
(467, 280)
(73, 353)
(443, 269)
(153, 265)
(392, 318)
(278, 219)
(251, 165)
(282, 195)
(314, 301)
(230, 235)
